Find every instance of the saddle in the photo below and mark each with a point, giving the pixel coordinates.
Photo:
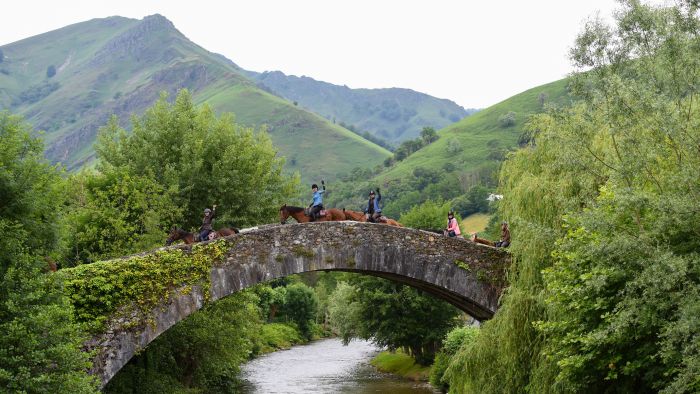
(381, 219)
(321, 213)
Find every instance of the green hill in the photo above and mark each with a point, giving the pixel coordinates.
(68, 82)
(394, 115)
(467, 154)
(481, 137)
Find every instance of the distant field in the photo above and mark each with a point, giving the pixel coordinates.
(475, 223)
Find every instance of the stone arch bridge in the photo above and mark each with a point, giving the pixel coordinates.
(468, 275)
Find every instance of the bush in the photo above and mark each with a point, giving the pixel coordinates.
(507, 120)
(50, 71)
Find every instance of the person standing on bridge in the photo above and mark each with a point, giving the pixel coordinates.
(206, 228)
(452, 229)
(373, 211)
(317, 203)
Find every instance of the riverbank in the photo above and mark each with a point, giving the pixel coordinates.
(324, 366)
(401, 364)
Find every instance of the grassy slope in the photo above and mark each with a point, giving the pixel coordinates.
(474, 133)
(119, 65)
(366, 108)
(312, 145)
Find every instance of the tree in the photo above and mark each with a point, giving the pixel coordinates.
(50, 71)
(428, 135)
(301, 306)
(200, 160)
(113, 214)
(40, 341)
(392, 315)
(2, 56)
(604, 296)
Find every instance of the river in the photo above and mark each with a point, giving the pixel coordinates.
(324, 366)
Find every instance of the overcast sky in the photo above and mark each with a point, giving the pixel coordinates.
(475, 53)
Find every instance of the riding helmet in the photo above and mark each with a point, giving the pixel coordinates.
(207, 210)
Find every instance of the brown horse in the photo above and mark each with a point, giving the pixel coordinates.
(361, 217)
(177, 233)
(298, 213)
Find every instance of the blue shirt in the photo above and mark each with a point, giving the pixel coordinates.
(318, 200)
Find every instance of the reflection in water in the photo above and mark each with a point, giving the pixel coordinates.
(324, 366)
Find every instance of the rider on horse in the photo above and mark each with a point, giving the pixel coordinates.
(317, 203)
(209, 215)
(373, 211)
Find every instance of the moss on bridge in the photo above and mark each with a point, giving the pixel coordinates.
(133, 286)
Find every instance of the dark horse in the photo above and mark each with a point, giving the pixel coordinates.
(299, 214)
(177, 233)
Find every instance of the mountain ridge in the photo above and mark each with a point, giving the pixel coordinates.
(393, 114)
(120, 66)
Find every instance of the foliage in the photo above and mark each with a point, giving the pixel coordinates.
(393, 315)
(507, 119)
(40, 341)
(274, 336)
(430, 215)
(2, 56)
(455, 339)
(35, 93)
(203, 351)
(114, 213)
(427, 137)
(140, 283)
(474, 201)
(201, 160)
(604, 296)
(344, 311)
(300, 307)
(401, 364)
(50, 71)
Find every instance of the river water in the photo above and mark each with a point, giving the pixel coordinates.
(324, 366)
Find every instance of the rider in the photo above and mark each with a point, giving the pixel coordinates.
(209, 215)
(373, 211)
(504, 242)
(317, 203)
(452, 229)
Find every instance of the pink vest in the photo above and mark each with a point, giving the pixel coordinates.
(453, 226)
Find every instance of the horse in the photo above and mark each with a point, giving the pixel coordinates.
(177, 233)
(361, 217)
(298, 213)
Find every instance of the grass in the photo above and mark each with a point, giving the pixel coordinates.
(401, 364)
(475, 223)
(468, 142)
(120, 65)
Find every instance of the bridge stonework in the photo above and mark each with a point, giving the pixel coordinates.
(466, 274)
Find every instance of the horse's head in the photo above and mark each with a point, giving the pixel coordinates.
(173, 236)
(284, 214)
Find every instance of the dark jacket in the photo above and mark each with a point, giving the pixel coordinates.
(206, 221)
(373, 207)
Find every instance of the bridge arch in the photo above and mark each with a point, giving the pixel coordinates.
(468, 275)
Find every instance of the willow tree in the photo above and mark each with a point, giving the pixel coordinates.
(604, 292)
